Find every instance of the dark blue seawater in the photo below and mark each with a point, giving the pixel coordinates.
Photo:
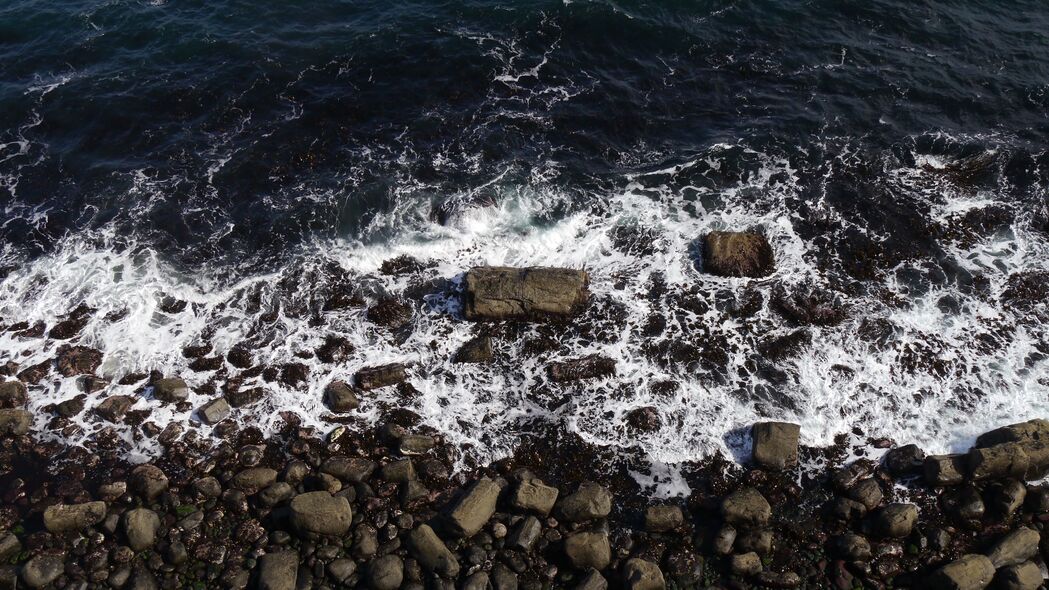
(232, 154)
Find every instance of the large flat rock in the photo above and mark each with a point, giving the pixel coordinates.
(536, 293)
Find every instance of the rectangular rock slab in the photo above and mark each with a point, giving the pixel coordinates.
(474, 509)
(533, 294)
(776, 444)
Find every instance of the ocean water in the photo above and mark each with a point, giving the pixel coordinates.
(217, 173)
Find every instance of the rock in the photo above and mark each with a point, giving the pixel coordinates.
(867, 492)
(588, 550)
(320, 513)
(278, 571)
(369, 378)
(250, 481)
(970, 572)
(140, 527)
(1024, 576)
(475, 350)
(970, 504)
(525, 535)
(386, 573)
(214, 411)
(590, 501)
(776, 444)
(365, 541)
(208, 487)
(746, 564)
(276, 493)
(639, 574)
(476, 581)
(537, 293)
(473, 510)
(503, 578)
(895, 520)
(593, 581)
(945, 470)
(63, 518)
(847, 509)
(401, 471)
(848, 476)
(238, 398)
(904, 461)
(171, 390)
(737, 254)
(757, 540)
(390, 313)
(340, 398)
(998, 461)
(746, 507)
(778, 580)
(340, 570)
(587, 367)
(1032, 430)
(148, 481)
(432, 553)
(77, 360)
(415, 444)
(644, 419)
(851, 547)
(42, 570)
(532, 495)
(15, 422)
(1015, 548)
(662, 519)
(10, 547)
(351, 469)
(13, 394)
(114, 407)
(724, 540)
(1005, 497)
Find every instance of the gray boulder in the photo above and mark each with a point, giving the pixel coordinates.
(340, 398)
(746, 507)
(148, 481)
(1023, 576)
(401, 471)
(320, 513)
(737, 254)
(42, 570)
(278, 571)
(171, 390)
(590, 501)
(140, 527)
(15, 421)
(252, 480)
(867, 492)
(588, 550)
(62, 518)
(945, 470)
(895, 520)
(746, 564)
(432, 553)
(13, 394)
(851, 547)
(475, 350)
(593, 581)
(1032, 430)
(776, 444)
(999, 461)
(1015, 548)
(352, 469)
(662, 519)
(970, 572)
(369, 378)
(639, 574)
(473, 509)
(525, 534)
(386, 573)
(214, 411)
(538, 293)
(532, 495)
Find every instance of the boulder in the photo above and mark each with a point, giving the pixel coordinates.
(400, 471)
(867, 492)
(15, 422)
(369, 378)
(1032, 430)
(503, 578)
(474, 508)
(415, 444)
(1015, 548)
(63, 518)
(587, 367)
(1005, 497)
(254, 479)
(526, 534)
(537, 293)
(593, 581)
(43, 569)
(214, 411)
(432, 553)
(851, 547)
(737, 254)
(970, 572)
(1024, 576)
(114, 407)
(639, 574)
(945, 470)
(663, 519)
(13, 394)
(588, 550)
(321, 513)
(999, 461)
(532, 495)
(724, 540)
(278, 571)
(644, 419)
(895, 521)
(10, 547)
(475, 350)
(476, 581)
(590, 501)
(776, 444)
(140, 527)
(904, 461)
(386, 573)
(171, 390)
(238, 398)
(746, 564)
(757, 540)
(746, 507)
(340, 398)
(148, 481)
(351, 469)
(77, 360)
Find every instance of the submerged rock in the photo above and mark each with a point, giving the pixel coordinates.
(537, 293)
(587, 367)
(340, 398)
(737, 254)
(369, 378)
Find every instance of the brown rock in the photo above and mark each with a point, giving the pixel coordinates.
(538, 293)
(736, 254)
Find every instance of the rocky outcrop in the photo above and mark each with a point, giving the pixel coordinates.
(538, 293)
(737, 254)
(776, 444)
